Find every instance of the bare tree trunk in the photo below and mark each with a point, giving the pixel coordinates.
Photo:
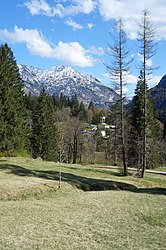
(121, 110)
(147, 39)
(144, 132)
(122, 135)
(119, 68)
(75, 150)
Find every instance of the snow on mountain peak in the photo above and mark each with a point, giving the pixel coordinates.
(66, 80)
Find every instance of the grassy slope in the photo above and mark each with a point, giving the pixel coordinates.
(36, 215)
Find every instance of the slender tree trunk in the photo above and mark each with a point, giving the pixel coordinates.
(123, 143)
(144, 134)
(145, 108)
(60, 173)
(115, 154)
(115, 142)
(75, 150)
(148, 39)
(122, 116)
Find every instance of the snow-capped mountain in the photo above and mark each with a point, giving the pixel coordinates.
(66, 80)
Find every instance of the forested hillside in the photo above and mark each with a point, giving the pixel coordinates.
(159, 97)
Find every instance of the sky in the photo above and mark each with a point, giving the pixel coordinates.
(76, 33)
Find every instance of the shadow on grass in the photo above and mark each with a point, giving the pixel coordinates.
(80, 182)
(95, 170)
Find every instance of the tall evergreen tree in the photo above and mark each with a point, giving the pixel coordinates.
(91, 105)
(63, 102)
(82, 112)
(75, 105)
(136, 151)
(12, 104)
(44, 131)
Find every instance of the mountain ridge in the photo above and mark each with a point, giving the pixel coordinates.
(66, 80)
(159, 94)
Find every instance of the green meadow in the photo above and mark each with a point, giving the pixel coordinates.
(95, 208)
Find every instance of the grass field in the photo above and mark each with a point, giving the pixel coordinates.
(95, 208)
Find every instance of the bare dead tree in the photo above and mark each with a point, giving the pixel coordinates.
(148, 44)
(118, 70)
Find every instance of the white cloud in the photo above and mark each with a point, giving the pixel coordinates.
(90, 25)
(149, 62)
(38, 7)
(73, 53)
(131, 79)
(154, 80)
(108, 9)
(73, 24)
(77, 6)
(74, 7)
(131, 13)
(70, 53)
(36, 43)
(96, 51)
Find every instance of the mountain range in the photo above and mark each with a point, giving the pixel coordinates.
(66, 80)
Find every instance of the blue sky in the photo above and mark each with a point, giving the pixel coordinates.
(45, 33)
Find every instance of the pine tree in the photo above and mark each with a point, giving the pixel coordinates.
(75, 105)
(91, 106)
(62, 101)
(136, 150)
(82, 112)
(44, 131)
(12, 104)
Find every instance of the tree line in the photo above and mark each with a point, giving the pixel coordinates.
(59, 128)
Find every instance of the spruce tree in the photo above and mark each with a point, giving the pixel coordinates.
(136, 151)
(44, 130)
(91, 106)
(75, 105)
(82, 112)
(12, 104)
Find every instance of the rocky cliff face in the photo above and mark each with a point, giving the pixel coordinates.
(66, 80)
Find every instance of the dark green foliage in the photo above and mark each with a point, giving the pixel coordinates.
(164, 130)
(60, 102)
(44, 131)
(82, 112)
(63, 102)
(137, 128)
(75, 106)
(159, 98)
(91, 105)
(12, 104)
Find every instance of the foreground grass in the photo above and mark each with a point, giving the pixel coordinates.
(35, 214)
